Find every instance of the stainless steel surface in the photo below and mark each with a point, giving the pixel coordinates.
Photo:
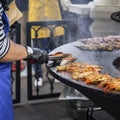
(70, 93)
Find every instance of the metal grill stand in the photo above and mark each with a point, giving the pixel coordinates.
(80, 107)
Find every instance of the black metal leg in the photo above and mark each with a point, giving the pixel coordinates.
(36, 77)
(51, 81)
(37, 88)
(90, 114)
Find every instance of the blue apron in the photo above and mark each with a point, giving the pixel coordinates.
(6, 107)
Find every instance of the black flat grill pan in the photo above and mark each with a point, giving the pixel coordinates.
(108, 101)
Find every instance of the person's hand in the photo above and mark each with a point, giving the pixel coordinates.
(36, 55)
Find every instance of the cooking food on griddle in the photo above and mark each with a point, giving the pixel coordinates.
(97, 78)
(114, 84)
(91, 75)
(81, 76)
(57, 54)
(79, 70)
(79, 67)
(108, 43)
(67, 60)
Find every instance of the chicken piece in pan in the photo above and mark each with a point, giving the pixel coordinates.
(97, 78)
(81, 76)
(113, 85)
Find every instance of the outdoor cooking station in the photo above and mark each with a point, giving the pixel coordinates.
(107, 101)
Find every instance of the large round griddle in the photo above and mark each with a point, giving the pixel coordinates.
(109, 101)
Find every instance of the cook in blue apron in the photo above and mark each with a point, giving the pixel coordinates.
(6, 107)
